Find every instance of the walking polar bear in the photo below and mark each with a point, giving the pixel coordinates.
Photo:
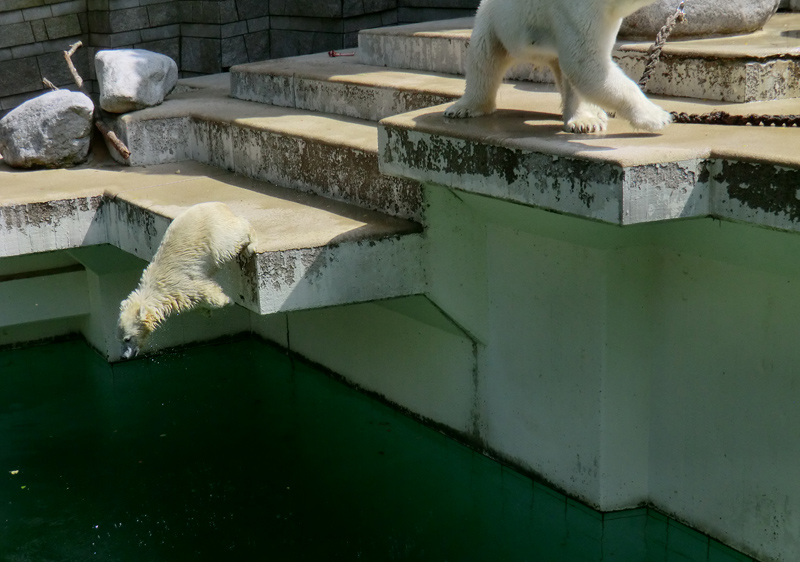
(575, 39)
(180, 277)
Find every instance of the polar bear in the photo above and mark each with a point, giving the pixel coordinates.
(575, 39)
(196, 244)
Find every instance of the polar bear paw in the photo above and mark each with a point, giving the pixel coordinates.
(652, 119)
(593, 120)
(463, 110)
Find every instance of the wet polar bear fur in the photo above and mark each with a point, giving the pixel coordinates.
(575, 39)
(197, 243)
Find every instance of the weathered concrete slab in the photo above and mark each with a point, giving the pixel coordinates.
(747, 174)
(439, 46)
(312, 252)
(764, 65)
(333, 156)
(340, 86)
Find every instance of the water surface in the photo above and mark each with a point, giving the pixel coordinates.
(235, 452)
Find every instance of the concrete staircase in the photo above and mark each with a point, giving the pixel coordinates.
(361, 191)
(754, 67)
(364, 132)
(400, 74)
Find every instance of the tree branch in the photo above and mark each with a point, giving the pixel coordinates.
(101, 125)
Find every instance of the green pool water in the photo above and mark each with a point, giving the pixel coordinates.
(236, 452)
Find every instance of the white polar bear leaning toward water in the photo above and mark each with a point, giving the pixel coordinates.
(197, 243)
(575, 39)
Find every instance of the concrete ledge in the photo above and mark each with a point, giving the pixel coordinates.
(747, 174)
(755, 67)
(333, 156)
(311, 253)
(341, 86)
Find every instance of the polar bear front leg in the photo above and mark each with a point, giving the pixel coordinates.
(579, 115)
(487, 62)
(603, 83)
(214, 296)
(584, 55)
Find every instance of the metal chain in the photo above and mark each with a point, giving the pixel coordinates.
(725, 118)
(716, 117)
(654, 52)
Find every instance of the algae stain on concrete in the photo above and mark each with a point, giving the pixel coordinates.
(770, 189)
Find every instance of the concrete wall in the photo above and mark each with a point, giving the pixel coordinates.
(202, 36)
(652, 364)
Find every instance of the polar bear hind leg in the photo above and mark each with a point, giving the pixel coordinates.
(245, 238)
(487, 63)
(249, 245)
(234, 237)
(579, 115)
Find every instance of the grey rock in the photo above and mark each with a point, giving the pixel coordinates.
(53, 130)
(703, 18)
(132, 79)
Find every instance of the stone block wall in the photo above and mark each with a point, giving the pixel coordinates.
(311, 26)
(412, 11)
(33, 36)
(202, 36)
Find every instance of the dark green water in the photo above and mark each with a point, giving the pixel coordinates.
(234, 452)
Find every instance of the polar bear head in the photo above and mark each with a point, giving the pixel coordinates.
(136, 322)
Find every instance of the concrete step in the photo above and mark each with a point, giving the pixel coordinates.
(341, 86)
(756, 67)
(748, 174)
(312, 252)
(332, 156)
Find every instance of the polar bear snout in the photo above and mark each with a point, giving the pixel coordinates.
(130, 348)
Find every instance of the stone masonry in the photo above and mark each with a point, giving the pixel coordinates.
(202, 36)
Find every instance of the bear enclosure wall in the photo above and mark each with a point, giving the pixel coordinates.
(202, 36)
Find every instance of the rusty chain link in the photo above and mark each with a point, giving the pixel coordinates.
(725, 118)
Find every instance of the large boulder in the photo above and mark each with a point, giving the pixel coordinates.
(53, 130)
(703, 18)
(132, 79)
